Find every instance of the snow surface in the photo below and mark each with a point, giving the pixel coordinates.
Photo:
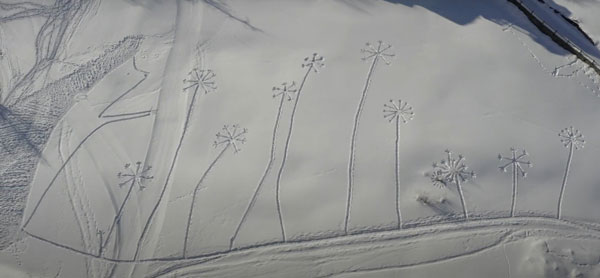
(255, 139)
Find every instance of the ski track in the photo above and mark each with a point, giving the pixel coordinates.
(348, 246)
(580, 70)
(372, 234)
(83, 235)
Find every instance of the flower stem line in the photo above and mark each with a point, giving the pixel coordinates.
(194, 196)
(264, 175)
(353, 142)
(564, 182)
(572, 139)
(168, 177)
(462, 198)
(118, 215)
(285, 152)
(515, 187)
(398, 212)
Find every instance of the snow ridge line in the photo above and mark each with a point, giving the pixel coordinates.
(557, 38)
(382, 234)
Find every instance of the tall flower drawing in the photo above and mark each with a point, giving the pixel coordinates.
(377, 52)
(452, 170)
(398, 112)
(374, 53)
(573, 140)
(516, 161)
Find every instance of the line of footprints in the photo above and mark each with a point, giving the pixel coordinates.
(451, 170)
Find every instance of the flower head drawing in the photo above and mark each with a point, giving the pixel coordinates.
(314, 63)
(231, 136)
(285, 90)
(517, 161)
(452, 170)
(436, 179)
(201, 79)
(571, 137)
(135, 176)
(398, 110)
(377, 52)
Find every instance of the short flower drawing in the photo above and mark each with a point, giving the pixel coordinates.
(231, 136)
(452, 170)
(516, 161)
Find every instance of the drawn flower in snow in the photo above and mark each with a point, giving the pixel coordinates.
(452, 170)
(136, 175)
(286, 91)
(397, 109)
(231, 136)
(572, 137)
(436, 178)
(201, 79)
(377, 52)
(517, 161)
(314, 63)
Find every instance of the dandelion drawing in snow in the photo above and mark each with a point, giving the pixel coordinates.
(135, 176)
(516, 161)
(201, 79)
(400, 112)
(572, 139)
(378, 52)
(452, 170)
(286, 91)
(314, 63)
(231, 136)
(436, 179)
(131, 176)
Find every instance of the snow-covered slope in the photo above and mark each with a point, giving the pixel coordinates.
(270, 138)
